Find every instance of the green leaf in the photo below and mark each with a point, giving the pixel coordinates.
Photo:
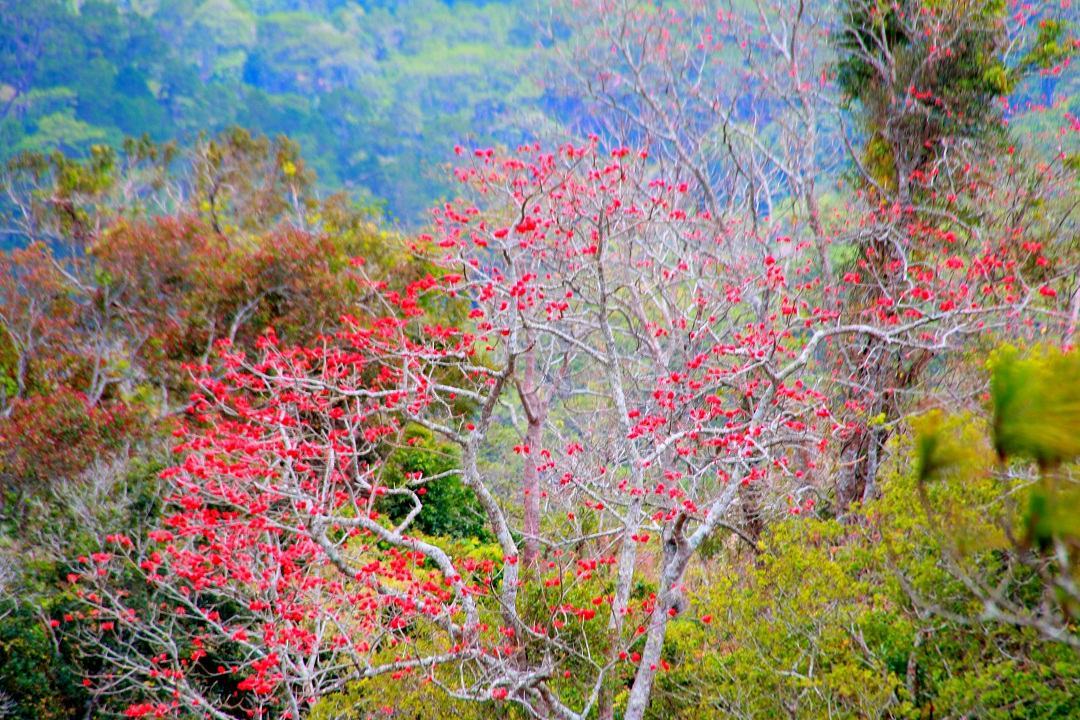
(1036, 405)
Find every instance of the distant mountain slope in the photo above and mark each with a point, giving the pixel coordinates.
(376, 93)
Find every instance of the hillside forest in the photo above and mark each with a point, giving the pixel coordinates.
(555, 360)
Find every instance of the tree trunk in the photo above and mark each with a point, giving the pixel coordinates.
(851, 479)
(753, 516)
(536, 415)
(676, 557)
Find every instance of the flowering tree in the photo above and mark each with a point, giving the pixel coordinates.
(617, 360)
(660, 366)
(760, 108)
(659, 349)
(115, 270)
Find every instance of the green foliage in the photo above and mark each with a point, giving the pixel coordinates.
(938, 445)
(34, 673)
(826, 624)
(920, 71)
(880, 162)
(41, 666)
(62, 131)
(932, 603)
(1053, 45)
(376, 95)
(1036, 405)
(806, 631)
(872, 618)
(450, 508)
(152, 254)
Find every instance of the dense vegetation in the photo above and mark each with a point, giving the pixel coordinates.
(738, 378)
(376, 94)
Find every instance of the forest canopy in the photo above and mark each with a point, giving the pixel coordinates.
(585, 360)
(376, 94)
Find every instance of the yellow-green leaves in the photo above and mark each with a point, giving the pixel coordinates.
(947, 443)
(1036, 405)
(934, 449)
